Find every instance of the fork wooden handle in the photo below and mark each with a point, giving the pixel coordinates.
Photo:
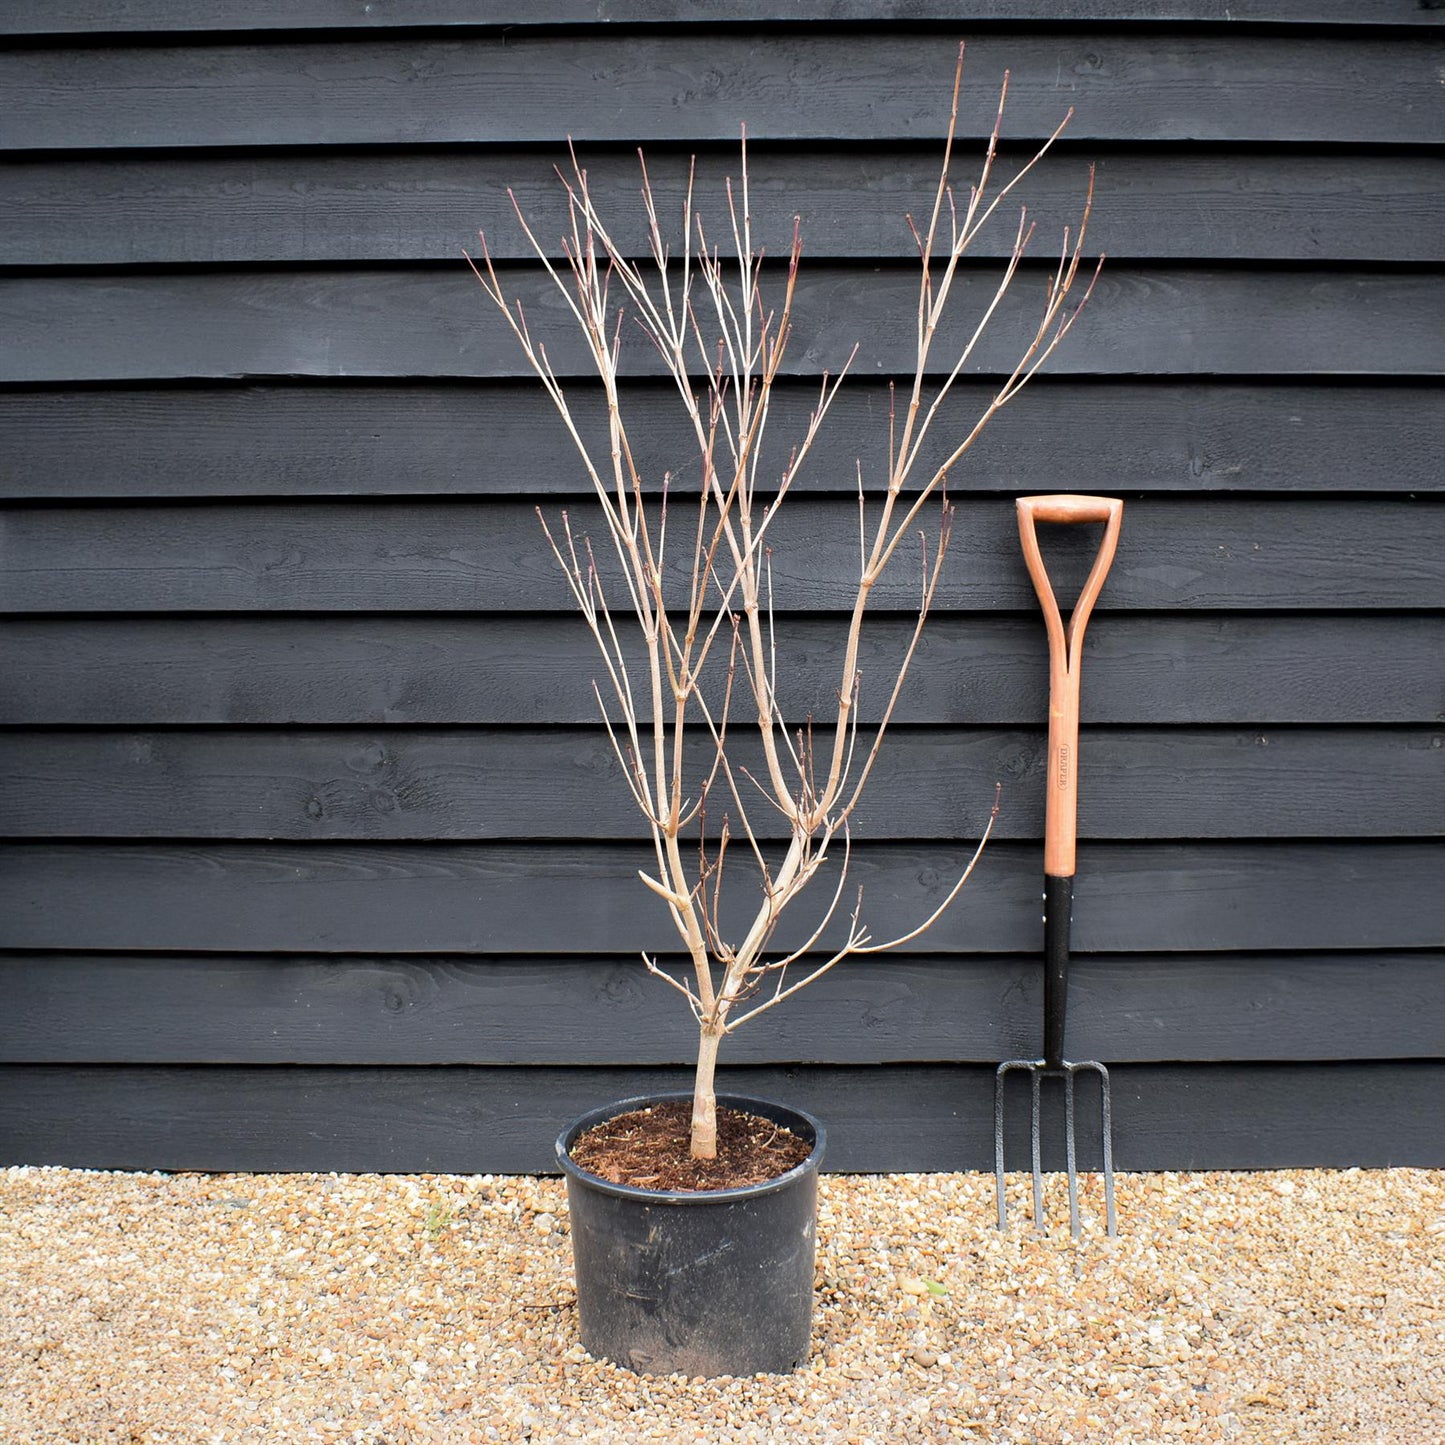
(1065, 658)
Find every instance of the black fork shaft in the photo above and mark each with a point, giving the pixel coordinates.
(1058, 915)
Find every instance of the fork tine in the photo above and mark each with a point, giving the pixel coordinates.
(1071, 1153)
(1036, 1139)
(1108, 1130)
(998, 1144)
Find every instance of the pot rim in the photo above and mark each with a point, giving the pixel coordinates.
(747, 1103)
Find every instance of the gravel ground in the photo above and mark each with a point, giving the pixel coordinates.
(1299, 1306)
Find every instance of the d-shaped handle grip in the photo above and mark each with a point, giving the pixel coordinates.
(1065, 656)
(1066, 508)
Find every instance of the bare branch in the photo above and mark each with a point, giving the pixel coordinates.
(721, 325)
(952, 892)
(693, 1001)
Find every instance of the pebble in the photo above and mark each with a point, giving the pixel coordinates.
(1298, 1307)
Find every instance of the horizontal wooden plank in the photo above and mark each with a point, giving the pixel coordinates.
(1206, 553)
(435, 322)
(908, 1118)
(585, 897)
(701, 85)
(503, 438)
(427, 204)
(143, 1009)
(565, 783)
(102, 17)
(366, 671)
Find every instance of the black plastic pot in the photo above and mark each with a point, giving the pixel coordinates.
(711, 1283)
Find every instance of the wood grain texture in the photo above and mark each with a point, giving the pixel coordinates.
(99, 17)
(910, 1118)
(421, 204)
(503, 439)
(700, 84)
(369, 671)
(253, 1009)
(1215, 554)
(584, 897)
(436, 322)
(484, 784)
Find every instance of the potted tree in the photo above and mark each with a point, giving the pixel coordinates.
(692, 1215)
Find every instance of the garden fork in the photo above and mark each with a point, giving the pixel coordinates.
(1060, 835)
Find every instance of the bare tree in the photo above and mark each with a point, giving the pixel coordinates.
(723, 345)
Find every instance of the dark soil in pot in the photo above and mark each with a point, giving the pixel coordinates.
(648, 1149)
(699, 1282)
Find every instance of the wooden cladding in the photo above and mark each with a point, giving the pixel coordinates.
(699, 84)
(101, 17)
(502, 439)
(604, 1011)
(1225, 554)
(253, 207)
(508, 897)
(431, 322)
(486, 1120)
(1145, 670)
(565, 784)
(313, 854)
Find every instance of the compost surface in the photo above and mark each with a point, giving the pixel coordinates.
(1305, 1307)
(650, 1149)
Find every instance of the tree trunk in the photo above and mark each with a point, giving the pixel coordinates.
(704, 1100)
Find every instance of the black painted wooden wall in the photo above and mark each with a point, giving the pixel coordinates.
(312, 855)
